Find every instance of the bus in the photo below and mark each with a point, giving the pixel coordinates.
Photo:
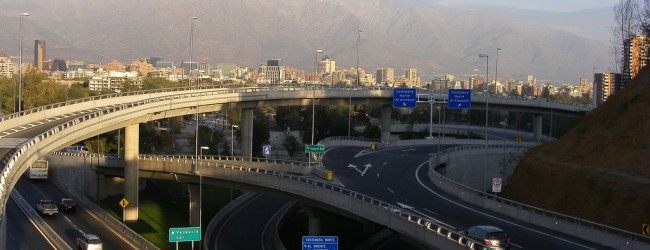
(38, 170)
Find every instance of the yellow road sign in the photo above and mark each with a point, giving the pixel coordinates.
(124, 203)
(645, 229)
(518, 139)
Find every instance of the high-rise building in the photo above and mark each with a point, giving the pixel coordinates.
(273, 72)
(39, 54)
(636, 52)
(605, 84)
(411, 76)
(7, 67)
(326, 66)
(385, 75)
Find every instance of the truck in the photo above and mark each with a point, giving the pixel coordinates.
(47, 207)
(38, 170)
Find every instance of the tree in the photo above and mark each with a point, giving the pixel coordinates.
(261, 133)
(77, 91)
(290, 143)
(39, 92)
(372, 131)
(628, 19)
(7, 92)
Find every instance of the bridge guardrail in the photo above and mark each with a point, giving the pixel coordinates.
(431, 226)
(482, 199)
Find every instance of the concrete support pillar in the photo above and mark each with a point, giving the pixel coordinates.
(386, 111)
(538, 127)
(313, 222)
(195, 208)
(246, 127)
(131, 152)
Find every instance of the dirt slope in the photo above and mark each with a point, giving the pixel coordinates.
(600, 170)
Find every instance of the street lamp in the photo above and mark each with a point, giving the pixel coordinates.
(189, 72)
(200, 192)
(20, 65)
(487, 73)
(232, 139)
(496, 68)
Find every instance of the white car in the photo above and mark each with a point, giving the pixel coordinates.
(89, 242)
(76, 150)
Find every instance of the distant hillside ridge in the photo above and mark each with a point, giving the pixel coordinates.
(600, 170)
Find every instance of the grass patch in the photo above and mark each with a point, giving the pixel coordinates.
(163, 205)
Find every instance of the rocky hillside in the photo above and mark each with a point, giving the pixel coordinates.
(600, 170)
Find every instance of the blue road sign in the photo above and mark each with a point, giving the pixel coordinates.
(320, 242)
(404, 98)
(459, 99)
(266, 150)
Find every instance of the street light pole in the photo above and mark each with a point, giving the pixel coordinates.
(20, 65)
(487, 73)
(313, 104)
(232, 139)
(189, 71)
(200, 193)
(496, 68)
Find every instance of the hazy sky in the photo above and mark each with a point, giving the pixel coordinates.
(545, 5)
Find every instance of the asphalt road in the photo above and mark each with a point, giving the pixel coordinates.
(398, 176)
(69, 225)
(249, 225)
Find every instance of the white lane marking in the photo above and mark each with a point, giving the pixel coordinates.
(412, 149)
(518, 246)
(404, 206)
(434, 213)
(487, 215)
(390, 190)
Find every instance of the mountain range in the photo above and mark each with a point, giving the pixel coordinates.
(434, 39)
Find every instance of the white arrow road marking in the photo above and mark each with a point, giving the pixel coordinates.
(390, 190)
(363, 152)
(404, 206)
(366, 167)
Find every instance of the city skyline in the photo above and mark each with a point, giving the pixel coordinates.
(379, 48)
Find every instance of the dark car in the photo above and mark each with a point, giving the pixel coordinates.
(67, 205)
(490, 236)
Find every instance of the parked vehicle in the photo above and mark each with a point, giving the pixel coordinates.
(89, 242)
(492, 237)
(38, 170)
(67, 205)
(47, 207)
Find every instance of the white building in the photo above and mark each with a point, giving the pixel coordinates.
(7, 67)
(114, 80)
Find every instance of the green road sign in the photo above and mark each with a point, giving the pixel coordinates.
(314, 149)
(182, 234)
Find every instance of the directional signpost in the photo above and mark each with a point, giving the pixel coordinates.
(314, 149)
(320, 242)
(404, 98)
(459, 99)
(183, 234)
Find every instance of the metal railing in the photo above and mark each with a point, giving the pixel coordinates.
(438, 179)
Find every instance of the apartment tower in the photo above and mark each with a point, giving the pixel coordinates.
(39, 54)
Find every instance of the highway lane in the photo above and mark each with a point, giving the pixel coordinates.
(69, 225)
(248, 225)
(398, 175)
(21, 231)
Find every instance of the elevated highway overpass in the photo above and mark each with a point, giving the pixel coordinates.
(32, 134)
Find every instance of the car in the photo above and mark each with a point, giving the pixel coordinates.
(47, 207)
(490, 236)
(89, 242)
(67, 205)
(76, 149)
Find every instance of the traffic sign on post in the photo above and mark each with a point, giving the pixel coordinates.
(182, 234)
(320, 242)
(404, 98)
(314, 148)
(496, 185)
(459, 99)
(266, 150)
